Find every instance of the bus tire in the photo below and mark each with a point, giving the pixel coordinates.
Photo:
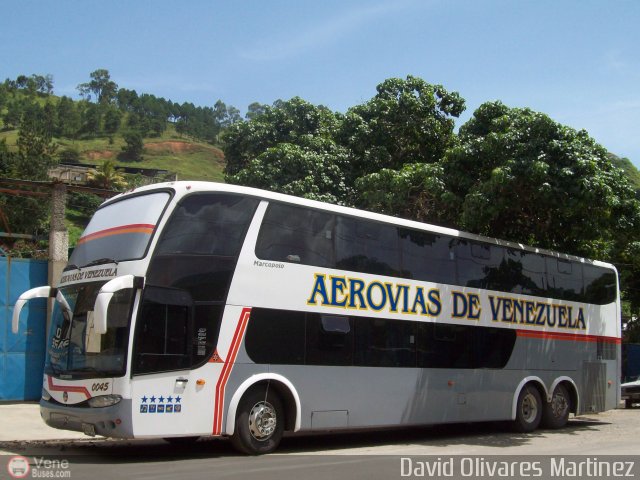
(528, 410)
(555, 413)
(259, 422)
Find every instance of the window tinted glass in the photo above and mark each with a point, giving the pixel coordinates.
(298, 235)
(284, 337)
(162, 333)
(565, 279)
(205, 278)
(524, 272)
(329, 340)
(600, 285)
(367, 247)
(478, 264)
(276, 336)
(385, 343)
(428, 257)
(213, 224)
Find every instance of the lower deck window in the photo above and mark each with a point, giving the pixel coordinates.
(299, 338)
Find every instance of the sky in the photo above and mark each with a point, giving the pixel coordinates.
(578, 61)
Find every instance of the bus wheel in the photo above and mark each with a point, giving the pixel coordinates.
(259, 422)
(528, 411)
(555, 413)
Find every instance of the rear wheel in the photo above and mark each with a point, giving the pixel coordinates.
(555, 413)
(259, 422)
(528, 410)
(628, 403)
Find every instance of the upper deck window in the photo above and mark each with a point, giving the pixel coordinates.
(121, 230)
(208, 224)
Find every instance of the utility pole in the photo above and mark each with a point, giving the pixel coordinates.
(58, 236)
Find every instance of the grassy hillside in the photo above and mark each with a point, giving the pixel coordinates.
(191, 160)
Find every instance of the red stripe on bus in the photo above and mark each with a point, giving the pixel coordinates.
(133, 228)
(67, 388)
(567, 336)
(226, 369)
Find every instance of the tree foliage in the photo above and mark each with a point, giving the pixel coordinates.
(407, 121)
(107, 176)
(101, 86)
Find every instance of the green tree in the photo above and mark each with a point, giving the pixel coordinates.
(521, 176)
(69, 119)
(32, 161)
(134, 146)
(91, 118)
(101, 86)
(295, 122)
(255, 109)
(112, 119)
(315, 173)
(107, 176)
(417, 191)
(407, 121)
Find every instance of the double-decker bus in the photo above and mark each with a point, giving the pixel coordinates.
(194, 309)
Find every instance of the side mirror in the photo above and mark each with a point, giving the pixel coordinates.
(104, 298)
(38, 292)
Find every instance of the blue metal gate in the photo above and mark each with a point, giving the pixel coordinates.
(22, 355)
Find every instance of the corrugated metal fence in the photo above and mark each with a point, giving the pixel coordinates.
(22, 355)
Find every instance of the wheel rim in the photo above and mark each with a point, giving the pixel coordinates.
(262, 421)
(529, 408)
(559, 405)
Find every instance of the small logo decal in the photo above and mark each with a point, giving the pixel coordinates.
(18, 467)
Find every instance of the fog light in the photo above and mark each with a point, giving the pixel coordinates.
(104, 401)
(45, 395)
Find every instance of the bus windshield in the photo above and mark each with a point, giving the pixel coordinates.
(74, 349)
(120, 231)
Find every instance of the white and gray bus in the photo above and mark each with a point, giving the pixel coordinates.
(194, 309)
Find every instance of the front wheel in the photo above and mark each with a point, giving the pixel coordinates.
(528, 410)
(259, 422)
(555, 413)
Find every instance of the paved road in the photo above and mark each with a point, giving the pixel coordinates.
(369, 455)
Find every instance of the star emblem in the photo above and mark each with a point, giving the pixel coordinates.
(161, 399)
(169, 399)
(153, 399)
(178, 399)
(144, 399)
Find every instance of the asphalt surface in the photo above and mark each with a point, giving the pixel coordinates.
(367, 455)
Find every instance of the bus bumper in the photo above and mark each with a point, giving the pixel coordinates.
(114, 421)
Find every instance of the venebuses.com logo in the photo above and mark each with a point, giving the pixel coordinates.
(18, 467)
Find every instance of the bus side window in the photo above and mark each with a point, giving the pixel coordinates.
(478, 264)
(329, 340)
(296, 235)
(599, 285)
(427, 256)
(367, 247)
(565, 279)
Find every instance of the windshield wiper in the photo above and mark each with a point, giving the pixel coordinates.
(71, 267)
(100, 261)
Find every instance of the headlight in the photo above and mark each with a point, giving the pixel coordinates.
(104, 401)
(45, 395)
